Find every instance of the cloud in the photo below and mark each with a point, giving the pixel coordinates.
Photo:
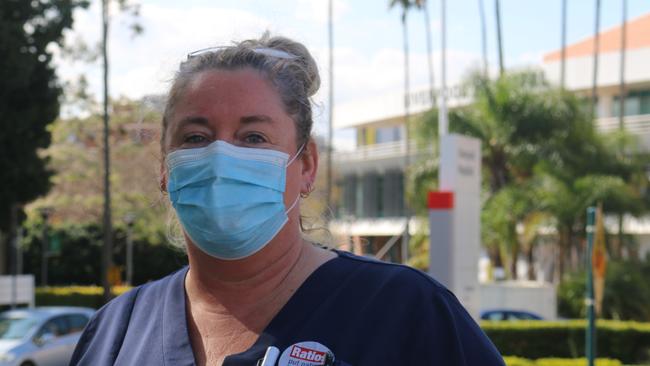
(317, 10)
(358, 75)
(144, 64)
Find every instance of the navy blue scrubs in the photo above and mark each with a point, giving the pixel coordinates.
(366, 312)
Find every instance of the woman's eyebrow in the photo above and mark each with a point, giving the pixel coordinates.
(192, 120)
(256, 118)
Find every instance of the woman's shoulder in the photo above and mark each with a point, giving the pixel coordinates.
(150, 292)
(418, 310)
(106, 330)
(392, 276)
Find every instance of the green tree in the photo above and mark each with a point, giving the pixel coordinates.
(543, 162)
(29, 95)
(76, 194)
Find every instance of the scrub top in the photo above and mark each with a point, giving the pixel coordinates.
(363, 311)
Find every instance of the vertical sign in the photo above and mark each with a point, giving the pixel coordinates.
(454, 219)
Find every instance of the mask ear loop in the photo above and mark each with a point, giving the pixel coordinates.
(297, 154)
(295, 202)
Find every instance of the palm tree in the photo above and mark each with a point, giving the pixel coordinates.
(497, 9)
(621, 101)
(483, 37)
(107, 260)
(594, 94)
(563, 43)
(136, 28)
(423, 6)
(406, 5)
(621, 94)
(520, 121)
(330, 127)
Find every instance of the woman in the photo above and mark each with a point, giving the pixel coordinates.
(238, 156)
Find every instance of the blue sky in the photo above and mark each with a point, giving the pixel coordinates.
(368, 39)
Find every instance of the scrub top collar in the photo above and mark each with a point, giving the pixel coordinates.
(177, 349)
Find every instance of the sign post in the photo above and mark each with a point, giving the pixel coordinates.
(454, 219)
(590, 335)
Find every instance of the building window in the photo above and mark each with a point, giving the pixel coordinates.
(393, 194)
(388, 134)
(372, 195)
(370, 202)
(348, 204)
(636, 103)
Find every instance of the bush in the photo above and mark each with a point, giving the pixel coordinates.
(623, 278)
(518, 361)
(79, 259)
(88, 296)
(625, 341)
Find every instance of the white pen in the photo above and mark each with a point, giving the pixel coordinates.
(271, 356)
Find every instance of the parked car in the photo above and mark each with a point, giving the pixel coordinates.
(44, 336)
(507, 314)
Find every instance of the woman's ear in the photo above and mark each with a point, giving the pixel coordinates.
(309, 160)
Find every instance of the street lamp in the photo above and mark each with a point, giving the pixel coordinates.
(45, 213)
(129, 219)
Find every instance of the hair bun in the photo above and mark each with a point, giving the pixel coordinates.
(309, 76)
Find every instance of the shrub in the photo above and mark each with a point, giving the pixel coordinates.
(625, 341)
(518, 361)
(88, 296)
(623, 278)
(79, 259)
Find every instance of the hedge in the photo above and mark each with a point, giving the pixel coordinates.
(628, 342)
(518, 361)
(88, 296)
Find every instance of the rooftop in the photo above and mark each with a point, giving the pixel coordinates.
(637, 36)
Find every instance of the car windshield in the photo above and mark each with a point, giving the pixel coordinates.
(16, 327)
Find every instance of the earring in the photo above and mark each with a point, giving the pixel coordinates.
(310, 188)
(163, 186)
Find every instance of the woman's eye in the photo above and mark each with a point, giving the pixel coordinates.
(254, 138)
(194, 139)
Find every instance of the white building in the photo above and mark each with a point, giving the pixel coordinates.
(371, 180)
(579, 74)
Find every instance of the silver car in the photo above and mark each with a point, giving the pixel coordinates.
(44, 336)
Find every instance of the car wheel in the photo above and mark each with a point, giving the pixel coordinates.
(27, 363)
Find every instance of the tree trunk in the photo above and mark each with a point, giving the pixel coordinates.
(483, 38)
(563, 42)
(407, 133)
(427, 28)
(563, 244)
(107, 253)
(494, 252)
(594, 81)
(514, 254)
(621, 87)
(497, 9)
(530, 259)
(330, 132)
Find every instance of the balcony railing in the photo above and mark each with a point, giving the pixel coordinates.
(639, 124)
(386, 150)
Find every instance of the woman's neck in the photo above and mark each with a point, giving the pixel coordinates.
(254, 288)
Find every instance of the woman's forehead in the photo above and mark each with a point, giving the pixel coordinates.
(230, 95)
(225, 101)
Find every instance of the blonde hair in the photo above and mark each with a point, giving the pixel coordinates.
(286, 63)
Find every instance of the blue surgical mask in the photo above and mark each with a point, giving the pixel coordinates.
(229, 199)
